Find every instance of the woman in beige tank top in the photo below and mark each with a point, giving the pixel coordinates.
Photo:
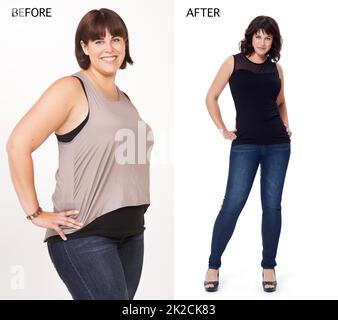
(99, 191)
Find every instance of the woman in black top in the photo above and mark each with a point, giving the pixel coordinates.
(262, 137)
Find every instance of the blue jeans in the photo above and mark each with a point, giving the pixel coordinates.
(244, 162)
(99, 268)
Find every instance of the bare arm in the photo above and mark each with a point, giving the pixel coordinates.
(217, 86)
(281, 101)
(45, 117)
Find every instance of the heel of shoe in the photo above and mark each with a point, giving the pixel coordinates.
(272, 284)
(214, 284)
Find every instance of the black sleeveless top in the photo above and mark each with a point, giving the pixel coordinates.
(255, 88)
(118, 224)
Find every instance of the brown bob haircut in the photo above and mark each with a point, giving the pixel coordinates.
(93, 26)
(268, 26)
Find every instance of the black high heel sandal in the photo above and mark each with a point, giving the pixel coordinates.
(214, 284)
(273, 284)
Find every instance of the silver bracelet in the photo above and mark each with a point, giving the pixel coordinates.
(35, 214)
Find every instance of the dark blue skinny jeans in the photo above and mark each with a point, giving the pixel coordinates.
(244, 161)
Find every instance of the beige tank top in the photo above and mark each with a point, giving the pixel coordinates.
(106, 165)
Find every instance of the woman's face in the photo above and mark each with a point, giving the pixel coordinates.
(261, 42)
(106, 54)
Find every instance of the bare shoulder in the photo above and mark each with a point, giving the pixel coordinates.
(67, 85)
(63, 94)
(280, 70)
(228, 66)
(229, 62)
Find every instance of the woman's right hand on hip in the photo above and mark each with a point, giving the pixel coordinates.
(54, 220)
(231, 135)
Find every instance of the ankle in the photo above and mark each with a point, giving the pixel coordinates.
(212, 273)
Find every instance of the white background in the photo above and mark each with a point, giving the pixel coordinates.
(307, 257)
(34, 53)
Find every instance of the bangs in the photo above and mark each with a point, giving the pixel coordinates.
(265, 26)
(101, 23)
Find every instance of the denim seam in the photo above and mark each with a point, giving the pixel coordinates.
(77, 272)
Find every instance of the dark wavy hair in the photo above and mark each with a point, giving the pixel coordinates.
(92, 26)
(269, 26)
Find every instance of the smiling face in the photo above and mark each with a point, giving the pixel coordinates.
(261, 42)
(106, 54)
